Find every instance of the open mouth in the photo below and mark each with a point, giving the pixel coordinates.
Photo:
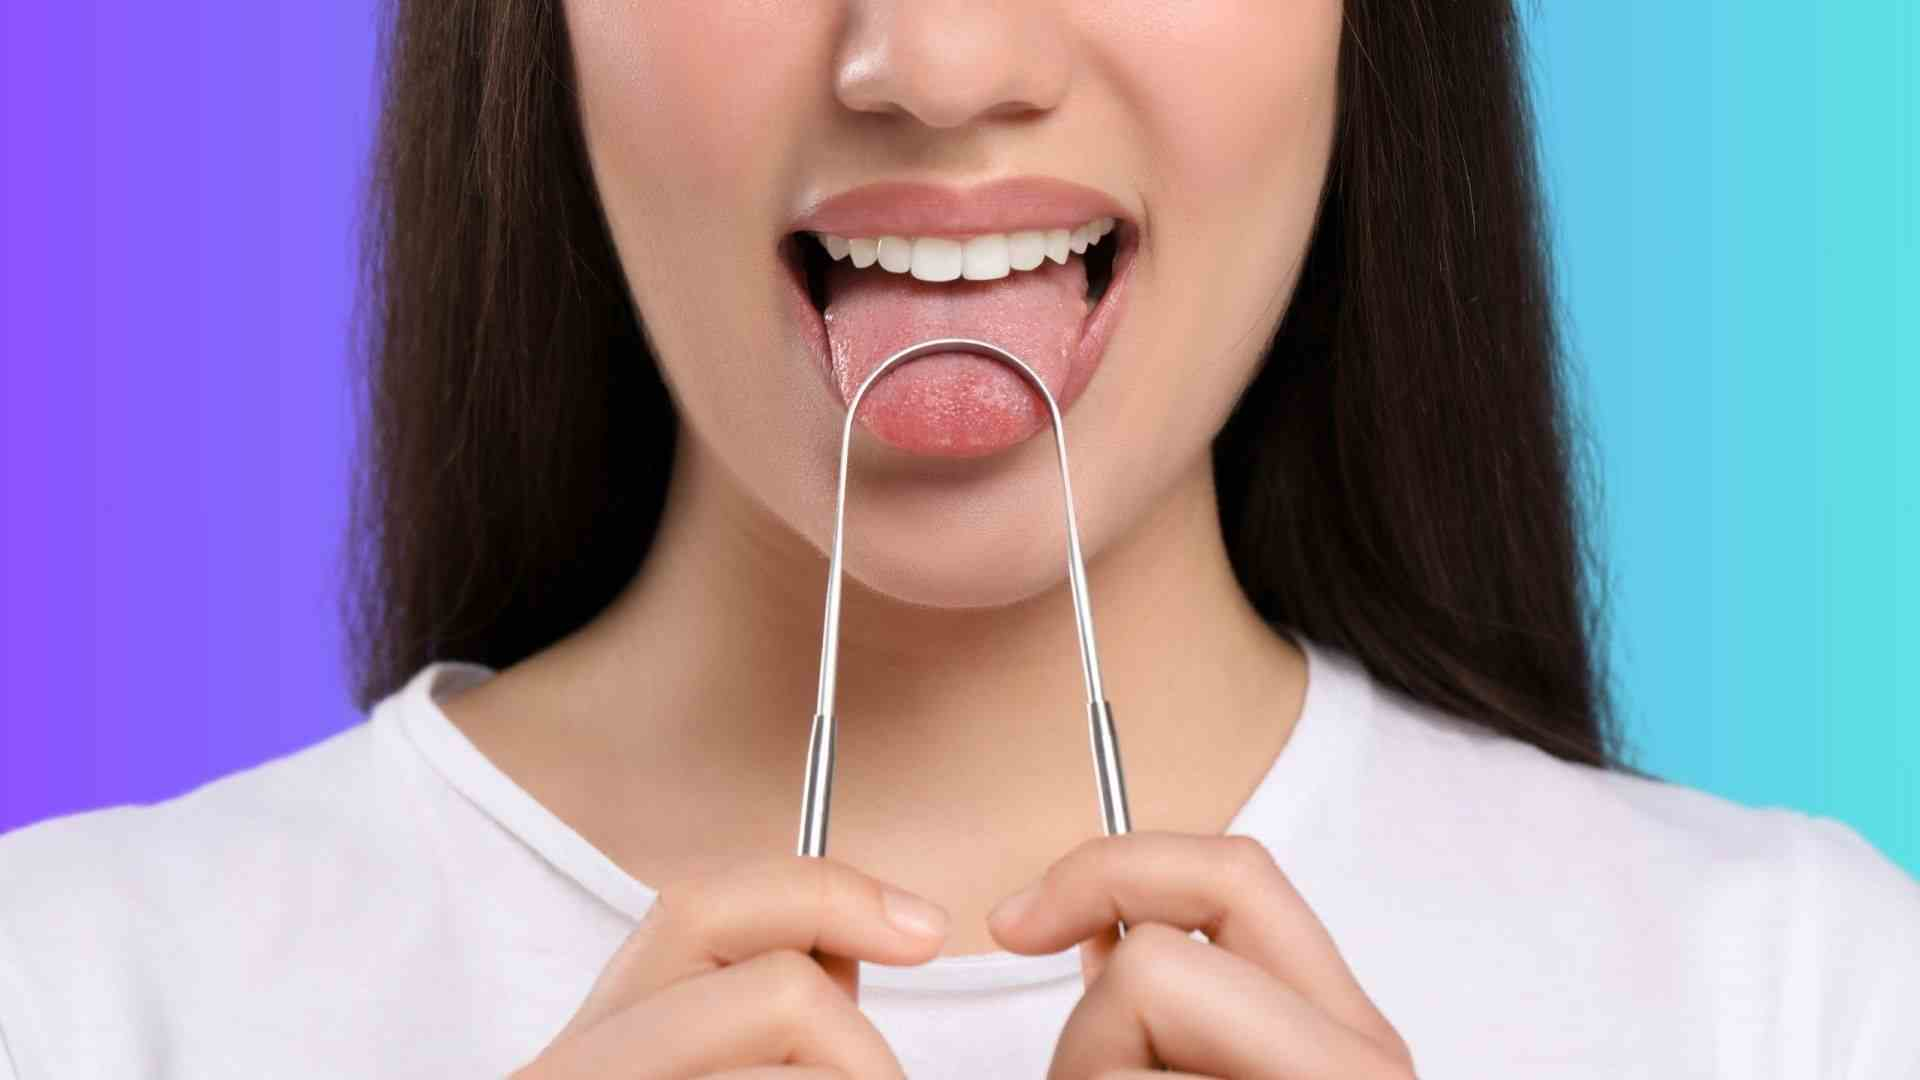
(1049, 296)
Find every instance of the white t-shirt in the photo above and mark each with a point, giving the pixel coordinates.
(387, 903)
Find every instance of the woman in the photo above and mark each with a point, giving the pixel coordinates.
(1283, 266)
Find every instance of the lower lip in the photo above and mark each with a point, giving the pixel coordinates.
(965, 433)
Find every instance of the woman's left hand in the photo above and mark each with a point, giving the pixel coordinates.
(1270, 997)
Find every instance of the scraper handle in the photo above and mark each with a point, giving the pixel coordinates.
(1107, 776)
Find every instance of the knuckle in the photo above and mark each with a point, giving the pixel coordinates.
(1247, 864)
(1249, 858)
(1143, 957)
(1399, 1065)
(1393, 1066)
(1092, 852)
(823, 882)
(800, 986)
(688, 925)
(1387, 1058)
(835, 893)
(699, 907)
(678, 904)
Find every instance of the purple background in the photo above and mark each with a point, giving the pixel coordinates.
(179, 180)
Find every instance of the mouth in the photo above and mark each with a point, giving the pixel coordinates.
(1050, 296)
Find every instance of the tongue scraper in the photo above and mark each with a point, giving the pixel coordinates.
(820, 747)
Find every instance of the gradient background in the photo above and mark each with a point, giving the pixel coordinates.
(1734, 194)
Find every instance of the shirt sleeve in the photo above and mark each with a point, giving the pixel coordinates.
(9, 1069)
(15, 1052)
(1859, 952)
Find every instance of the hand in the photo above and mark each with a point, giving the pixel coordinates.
(1269, 997)
(755, 966)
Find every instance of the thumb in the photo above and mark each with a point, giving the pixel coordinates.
(1095, 952)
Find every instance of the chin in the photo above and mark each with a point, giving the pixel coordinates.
(987, 566)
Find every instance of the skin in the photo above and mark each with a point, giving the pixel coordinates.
(671, 731)
(1266, 996)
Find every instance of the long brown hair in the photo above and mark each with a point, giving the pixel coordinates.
(1402, 479)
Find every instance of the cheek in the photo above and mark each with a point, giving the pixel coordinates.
(676, 101)
(1234, 165)
(681, 107)
(1258, 121)
(1238, 161)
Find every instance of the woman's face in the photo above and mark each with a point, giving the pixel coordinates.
(722, 131)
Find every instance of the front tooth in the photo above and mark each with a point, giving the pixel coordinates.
(1059, 243)
(979, 258)
(896, 254)
(985, 258)
(936, 259)
(1026, 250)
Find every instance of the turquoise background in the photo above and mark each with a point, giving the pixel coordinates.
(1735, 195)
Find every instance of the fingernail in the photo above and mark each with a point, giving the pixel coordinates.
(1010, 909)
(921, 918)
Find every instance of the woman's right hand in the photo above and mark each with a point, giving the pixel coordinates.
(752, 968)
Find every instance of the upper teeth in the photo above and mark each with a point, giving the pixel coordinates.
(976, 258)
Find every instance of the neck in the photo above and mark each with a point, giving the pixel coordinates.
(949, 719)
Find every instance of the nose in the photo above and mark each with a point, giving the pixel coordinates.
(947, 63)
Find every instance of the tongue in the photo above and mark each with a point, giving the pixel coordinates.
(956, 404)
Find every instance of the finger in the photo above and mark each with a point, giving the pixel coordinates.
(776, 1008)
(782, 1073)
(1227, 887)
(1166, 998)
(843, 970)
(1094, 953)
(808, 904)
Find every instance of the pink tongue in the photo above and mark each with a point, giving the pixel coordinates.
(954, 403)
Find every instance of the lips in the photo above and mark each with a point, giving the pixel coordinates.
(958, 404)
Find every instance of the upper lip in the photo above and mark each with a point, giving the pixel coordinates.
(909, 208)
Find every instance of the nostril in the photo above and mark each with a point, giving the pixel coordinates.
(947, 66)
